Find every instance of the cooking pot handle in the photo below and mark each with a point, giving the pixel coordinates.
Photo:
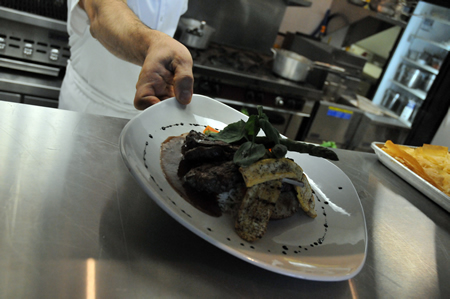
(274, 52)
(329, 66)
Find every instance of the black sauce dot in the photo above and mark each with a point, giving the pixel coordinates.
(324, 214)
(181, 124)
(299, 246)
(228, 239)
(160, 189)
(242, 244)
(284, 252)
(150, 135)
(306, 248)
(295, 251)
(268, 250)
(209, 229)
(163, 128)
(146, 166)
(146, 143)
(311, 245)
(326, 202)
(340, 188)
(252, 247)
(285, 247)
(323, 208)
(315, 243)
(326, 225)
(174, 203)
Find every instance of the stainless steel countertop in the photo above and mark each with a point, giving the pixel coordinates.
(75, 224)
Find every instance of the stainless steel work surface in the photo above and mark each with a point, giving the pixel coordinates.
(75, 224)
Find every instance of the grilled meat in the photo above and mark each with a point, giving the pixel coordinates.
(214, 178)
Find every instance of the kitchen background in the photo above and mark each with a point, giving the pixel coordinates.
(366, 77)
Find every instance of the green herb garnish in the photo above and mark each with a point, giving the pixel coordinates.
(254, 148)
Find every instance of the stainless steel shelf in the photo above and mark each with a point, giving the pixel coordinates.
(416, 92)
(421, 66)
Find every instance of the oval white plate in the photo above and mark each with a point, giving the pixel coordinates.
(331, 247)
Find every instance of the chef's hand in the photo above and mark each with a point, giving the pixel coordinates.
(166, 72)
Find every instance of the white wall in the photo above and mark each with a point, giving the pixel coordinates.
(305, 19)
(442, 136)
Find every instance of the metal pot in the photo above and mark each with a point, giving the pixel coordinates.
(195, 34)
(295, 67)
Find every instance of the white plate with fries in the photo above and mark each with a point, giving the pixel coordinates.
(330, 247)
(411, 177)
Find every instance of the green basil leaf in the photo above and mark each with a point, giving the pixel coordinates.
(261, 114)
(270, 131)
(248, 153)
(252, 127)
(231, 133)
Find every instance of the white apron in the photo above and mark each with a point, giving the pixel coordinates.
(98, 82)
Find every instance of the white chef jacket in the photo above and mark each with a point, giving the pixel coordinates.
(98, 82)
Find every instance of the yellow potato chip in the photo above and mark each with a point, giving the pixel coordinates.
(431, 162)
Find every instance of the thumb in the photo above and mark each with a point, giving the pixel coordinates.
(183, 85)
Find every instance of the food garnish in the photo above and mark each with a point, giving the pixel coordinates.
(254, 147)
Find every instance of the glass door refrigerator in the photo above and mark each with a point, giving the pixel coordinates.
(415, 87)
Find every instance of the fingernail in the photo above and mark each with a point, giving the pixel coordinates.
(185, 96)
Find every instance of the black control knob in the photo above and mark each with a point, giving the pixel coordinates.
(279, 101)
(205, 87)
(299, 104)
(259, 97)
(216, 89)
(250, 95)
(290, 103)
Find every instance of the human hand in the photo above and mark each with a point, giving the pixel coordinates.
(166, 72)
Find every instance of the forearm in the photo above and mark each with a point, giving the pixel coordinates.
(119, 30)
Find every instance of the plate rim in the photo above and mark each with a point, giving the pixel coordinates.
(287, 272)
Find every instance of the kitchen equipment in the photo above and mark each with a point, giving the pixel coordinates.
(244, 79)
(34, 52)
(400, 72)
(295, 67)
(195, 34)
(390, 95)
(413, 54)
(408, 109)
(398, 103)
(378, 127)
(333, 122)
(428, 81)
(424, 58)
(436, 62)
(413, 77)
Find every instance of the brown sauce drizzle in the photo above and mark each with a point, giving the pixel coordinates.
(175, 168)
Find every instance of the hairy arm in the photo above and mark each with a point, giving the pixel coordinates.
(166, 64)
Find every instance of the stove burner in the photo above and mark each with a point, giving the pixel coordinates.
(195, 53)
(223, 60)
